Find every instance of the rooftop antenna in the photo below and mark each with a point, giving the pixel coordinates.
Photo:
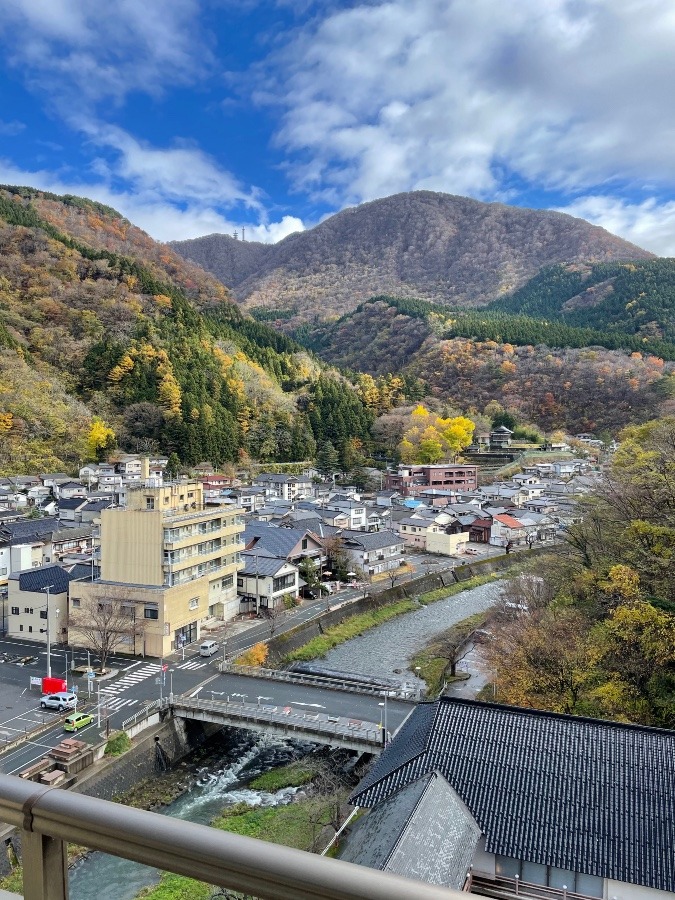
(236, 234)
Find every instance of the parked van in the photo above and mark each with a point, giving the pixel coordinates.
(208, 648)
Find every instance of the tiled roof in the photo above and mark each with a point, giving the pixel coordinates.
(578, 794)
(54, 577)
(423, 831)
(509, 521)
(24, 531)
(279, 541)
(261, 564)
(71, 502)
(371, 540)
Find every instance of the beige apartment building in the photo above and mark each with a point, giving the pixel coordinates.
(169, 562)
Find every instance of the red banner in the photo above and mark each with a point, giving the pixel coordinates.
(53, 685)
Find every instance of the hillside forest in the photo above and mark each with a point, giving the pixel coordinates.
(591, 630)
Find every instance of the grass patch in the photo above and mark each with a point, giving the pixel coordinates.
(293, 775)
(13, 882)
(118, 744)
(351, 627)
(296, 825)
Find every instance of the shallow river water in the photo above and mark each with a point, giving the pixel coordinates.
(380, 651)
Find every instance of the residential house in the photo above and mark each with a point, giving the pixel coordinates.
(69, 489)
(355, 511)
(265, 580)
(500, 438)
(480, 530)
(507, 531)
(285, 487)
(447, 538)
(249, 497)
(171, 561)
(413, 531)
(524, 802)
(38, 598)
(293, 544)
(373, 552)
(377, 518)
(409, 481)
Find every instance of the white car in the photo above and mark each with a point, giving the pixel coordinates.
(61, 701)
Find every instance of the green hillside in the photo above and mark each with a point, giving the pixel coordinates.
(119, 333)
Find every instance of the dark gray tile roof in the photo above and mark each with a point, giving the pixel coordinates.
(423, 831)
(279, 541)
(579, 794)
(371, 540)
(23, 531)
(54, 577)
(71, 502)
(262, 564)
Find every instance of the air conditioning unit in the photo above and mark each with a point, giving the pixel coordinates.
(186, 507)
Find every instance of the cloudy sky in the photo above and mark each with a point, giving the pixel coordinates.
(194, 116)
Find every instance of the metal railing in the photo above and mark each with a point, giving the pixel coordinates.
(284, 718)
(151, 707)
(332, 684)
(51, 817)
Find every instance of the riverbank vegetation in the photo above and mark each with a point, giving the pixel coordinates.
(306, 823)
(350, 628)
(436, 663)
(592, 631)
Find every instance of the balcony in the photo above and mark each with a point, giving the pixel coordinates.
(50, 817)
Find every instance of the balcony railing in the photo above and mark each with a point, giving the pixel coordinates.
(50, 817)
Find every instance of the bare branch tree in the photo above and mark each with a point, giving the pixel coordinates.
(105, 624)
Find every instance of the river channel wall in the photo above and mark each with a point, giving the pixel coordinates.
(285, 643)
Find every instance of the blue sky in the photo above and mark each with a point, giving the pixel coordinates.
(195, 116)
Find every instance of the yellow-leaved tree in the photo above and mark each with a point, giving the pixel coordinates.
(100, 440)
(430, 439)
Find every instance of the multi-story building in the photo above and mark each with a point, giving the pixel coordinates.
(285, 487)
(409, 481)
(170, 561)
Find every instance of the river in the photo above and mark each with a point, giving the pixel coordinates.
(383, 650)
(387, 649)
(103, 877)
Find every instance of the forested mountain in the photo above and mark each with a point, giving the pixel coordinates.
(635, 298)
(582, 388)
(107, 336)
(447, 249)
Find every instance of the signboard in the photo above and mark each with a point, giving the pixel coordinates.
(75, 689)
(53, 685)
(91, 675)
(35, 680)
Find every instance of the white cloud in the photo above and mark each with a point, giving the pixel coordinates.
(650, 224)
(86, 50)
(162, 218)
(466, 95)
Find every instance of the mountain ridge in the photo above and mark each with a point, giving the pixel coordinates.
(444, 248)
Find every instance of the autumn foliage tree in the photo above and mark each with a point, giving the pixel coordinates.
(430, 438)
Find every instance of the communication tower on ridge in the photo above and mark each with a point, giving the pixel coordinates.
(243, 232)
(236, 235)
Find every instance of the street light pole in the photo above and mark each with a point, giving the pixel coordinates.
(49, 642)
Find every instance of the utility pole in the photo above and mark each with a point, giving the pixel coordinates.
(47, 589)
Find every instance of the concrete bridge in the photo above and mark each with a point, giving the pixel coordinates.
(284, 721)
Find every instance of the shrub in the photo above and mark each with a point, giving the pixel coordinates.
(255, 656)
(118, 744)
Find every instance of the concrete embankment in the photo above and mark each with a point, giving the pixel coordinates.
(283, 644)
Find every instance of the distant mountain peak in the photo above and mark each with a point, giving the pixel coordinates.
(440, 247)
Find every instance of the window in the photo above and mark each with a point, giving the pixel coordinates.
(76, 602)
(28, 609)
(194, 603)
(43, 613)
(304, 543)
(228, 581)
(4, 571)
(30, 629)
(151, 612)
(15, 610)
(20, 627)
(149, 502)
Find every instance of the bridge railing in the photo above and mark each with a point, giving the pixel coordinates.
(287, 718)
(141, 714)
(50, 817)
(334, 684)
